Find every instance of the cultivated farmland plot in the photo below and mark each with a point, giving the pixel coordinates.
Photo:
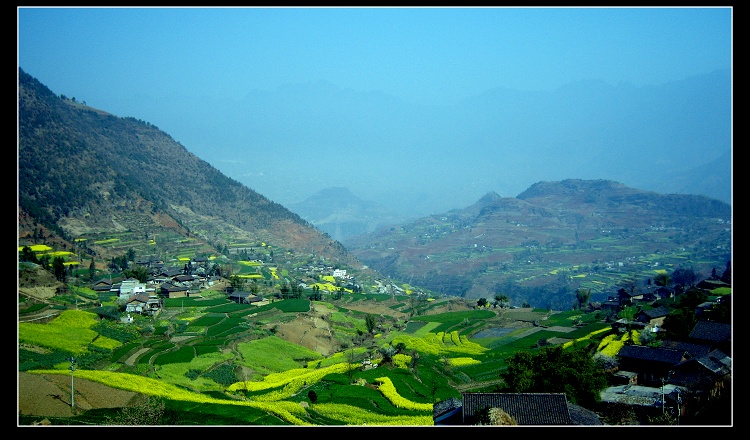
(290, 362)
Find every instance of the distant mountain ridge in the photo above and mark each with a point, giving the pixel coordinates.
(552, 239)
(83, 172)
(341, 214)
(671, 138)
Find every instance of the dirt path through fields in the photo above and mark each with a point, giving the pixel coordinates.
(134, 357)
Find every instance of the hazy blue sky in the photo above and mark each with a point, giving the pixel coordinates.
(422, 55)
(180, 68)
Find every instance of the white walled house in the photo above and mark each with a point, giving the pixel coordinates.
(130, 288)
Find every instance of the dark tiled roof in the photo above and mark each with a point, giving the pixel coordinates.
(582, 416)
(525, 408)
(703, 371)
(711, 331)
(663, 292)
(694, 350)
(653, 354)
(447, 412)
(141, 297)
(172, 271)
(717, 362)
(172, 288)
(656, 313)
(240, 294)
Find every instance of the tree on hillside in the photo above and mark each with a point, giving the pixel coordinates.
(121, 263)
(138, 272)
(714, 275)
(628, 314)
(58, 267)
(351, 358)
(691, 299)
(92, 270)
(684, 277)
(284, 290)
(44, 262)
(679, 323)
(662, 279)
(727, 275)
(370, 322)
(387, 352)
(722, 312)
(552, 369)
(28, 255)
(482, 302)
(500, 300)
(237, 282)
(582, 297)
(316, 295)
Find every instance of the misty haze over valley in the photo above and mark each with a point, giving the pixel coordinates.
(419, 160)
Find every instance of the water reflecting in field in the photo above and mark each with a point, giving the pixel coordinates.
(494, 332)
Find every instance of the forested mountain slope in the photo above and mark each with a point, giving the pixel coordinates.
(83, 172)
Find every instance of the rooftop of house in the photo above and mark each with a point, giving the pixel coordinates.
(524, 408)
(711, 331)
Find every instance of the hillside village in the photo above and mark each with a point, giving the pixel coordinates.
(163, 282)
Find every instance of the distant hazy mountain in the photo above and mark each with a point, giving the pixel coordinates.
(341, 214)
(418, 160)
(552, 239)
(709, 179)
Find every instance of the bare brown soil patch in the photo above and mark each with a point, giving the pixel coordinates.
(40, 293)
(376, 308)
(49, 395)
(311, 330)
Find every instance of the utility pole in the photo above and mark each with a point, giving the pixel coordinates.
(663, 406)
(72, 392)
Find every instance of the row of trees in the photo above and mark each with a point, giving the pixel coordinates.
(55, 265)
(553, 369)
(500, 301)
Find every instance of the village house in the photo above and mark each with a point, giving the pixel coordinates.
(102, 285)
(144, 304)
(705, 377)
(644, 401)
(652, 319)
(241, 297)
(130, 288)
(652, 364)
(170, 290)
